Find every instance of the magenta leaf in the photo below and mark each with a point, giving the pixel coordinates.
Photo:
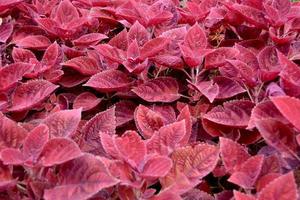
(30, 94)
(195, 38)
(84, 65)
(162, 89)
(152, 47)
(86, 101)
(109, 81)
(156, 166)
(57, 151)
(89, 39)
(5, 31)
(63, 123)
(242, 196)
(81, 178)
(39, 42)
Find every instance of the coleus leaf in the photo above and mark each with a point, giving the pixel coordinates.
(11, 134)
(105, 122)
(248, 173)
(84, 65)
(147, 121)
(38, 42)
(167, 138)
(63, 123)
(194, 162)
(89, 39)
(86, 101)
(5, 31)
(156, 167)
(112, 53)
(289, 108)
(234, 113)
(154, 46)
(109, 81)
(282, 188)
(30, 94)
(66, 13)
(91, 176)
(242, 196)
(227, 87)
(11, 74)
(278, 135)
(195, 38)
(208, 88)
(218, 57)
(185, 115)
(57, 151)
(131, 148)
(233, 154)
(162, 89)
(139, 33)
(124, 112)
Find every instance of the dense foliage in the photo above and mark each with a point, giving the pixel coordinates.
(149, 99)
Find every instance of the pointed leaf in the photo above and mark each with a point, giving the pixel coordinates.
(195, 38)
(57, 151)
(162, 89)
(63, 123)
(153, 47)
(241, 196)
(84, 65)
(31, 94)
(89, 39)
(81, 178)
(185, 115)
(156, 167)
(38, 42)
(139, 33)
(86, 101)
(109, 81)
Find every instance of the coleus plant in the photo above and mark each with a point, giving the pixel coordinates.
(149, 99)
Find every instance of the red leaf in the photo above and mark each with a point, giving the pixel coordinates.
(23, 55)
(278, 135)
(38, 42)
(63, 123)
(289, 108)
(162, 89)
(227, 87)
(111, 53)
(147, 121)
(66, 13)
(5, 31)
(234, 113)
(282, 188)
(31, 94)
(52, 56)
(248, 173)
(57, 151)
(167, 138)
(153, 47)
(208, 88)
(241, 196)
(105, 122)
(124, 112)
(13, 73)
(89, 39)
(80, 179)
(218, 57)
(84, 65)
(194, 162)
(108, 144)
(139, 33)
(109, 81)
(185, 115)
(156, 167)
(11, 134)
(131, 148)
(233, 154)
(12, 156)
(86, 101)
(195, 38)
(34, 142)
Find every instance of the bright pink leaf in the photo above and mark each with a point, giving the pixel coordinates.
(162, 89)
(242, 196)
(195, 38)
(156, 167)
(154, 46)
(86, 101)
(6, 30)
(80, 179)
(38, 42)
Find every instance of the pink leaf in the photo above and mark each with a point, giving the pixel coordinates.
(105, 122)
(23, 55)
(57, 151)
(109, 81)
(218, 57)
(89, 39)
(162, 89)
(13, 73)
(153, 47)
(241, 196)
(131, 148)
(195, 38)
(227, 87)
(156, 167)
(185, 115)
(111, 53)
(11, 134)
(108, 144)
(147, 121)
(233, 154)
(282, 188)
(208, 88)
(124, 112)
(66, 13)
(84, 65)
(194, 162)
(30, 94)
(12, 156)
(167, 138)
(38, 42)
(248, 173)
(234, 113)
(86, 101)
(5, 31)
(35, 141)
(80, 179)
(52, 56)
(139, 33)
(63, 123)
(289, 108)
